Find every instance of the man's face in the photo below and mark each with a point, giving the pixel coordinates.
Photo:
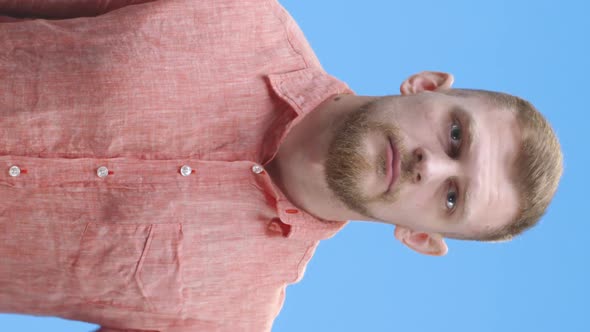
(454, 161)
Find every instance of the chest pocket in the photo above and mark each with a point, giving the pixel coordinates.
(133, 266)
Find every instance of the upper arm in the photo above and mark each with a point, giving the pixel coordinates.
(61, 9)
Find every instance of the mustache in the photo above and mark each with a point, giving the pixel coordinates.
(407, 162)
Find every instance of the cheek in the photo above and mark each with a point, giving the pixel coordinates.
(414, 201)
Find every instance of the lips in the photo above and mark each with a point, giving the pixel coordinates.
(393, 165)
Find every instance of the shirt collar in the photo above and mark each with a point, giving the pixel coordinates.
(306, 89)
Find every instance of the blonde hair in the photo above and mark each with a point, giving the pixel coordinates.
(538, 166)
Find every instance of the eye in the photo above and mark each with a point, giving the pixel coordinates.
(456, 132)
(455, 135)
(451, 199)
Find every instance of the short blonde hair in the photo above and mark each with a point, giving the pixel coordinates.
(538, 166)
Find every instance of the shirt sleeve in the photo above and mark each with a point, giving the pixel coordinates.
(61, 9)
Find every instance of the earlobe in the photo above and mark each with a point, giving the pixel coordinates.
(426, 81)
(424, 243)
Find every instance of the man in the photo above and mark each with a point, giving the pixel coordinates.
(172, 165)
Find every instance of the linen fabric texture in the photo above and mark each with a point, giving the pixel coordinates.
(144, 89)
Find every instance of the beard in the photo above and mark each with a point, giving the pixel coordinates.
(346, 164)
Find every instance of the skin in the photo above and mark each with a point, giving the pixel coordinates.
(333, 164)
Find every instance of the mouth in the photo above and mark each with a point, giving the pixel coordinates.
(393, 166)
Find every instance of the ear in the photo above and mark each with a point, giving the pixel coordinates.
(426, 81)
(424, 243)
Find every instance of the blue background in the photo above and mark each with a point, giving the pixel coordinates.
(363, 279)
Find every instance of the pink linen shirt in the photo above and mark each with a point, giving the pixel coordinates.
(132, 150)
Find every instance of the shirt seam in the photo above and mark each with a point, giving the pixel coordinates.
(279, 13)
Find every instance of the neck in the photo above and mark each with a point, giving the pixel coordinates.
(298, 167)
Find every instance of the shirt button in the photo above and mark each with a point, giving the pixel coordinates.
(102, 172)
(186, 170)
(257, 169)
(14, 171)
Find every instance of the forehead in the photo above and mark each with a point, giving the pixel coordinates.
(492, 198)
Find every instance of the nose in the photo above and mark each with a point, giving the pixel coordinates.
(427, 166)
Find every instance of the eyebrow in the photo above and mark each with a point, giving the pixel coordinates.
(469, 130)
